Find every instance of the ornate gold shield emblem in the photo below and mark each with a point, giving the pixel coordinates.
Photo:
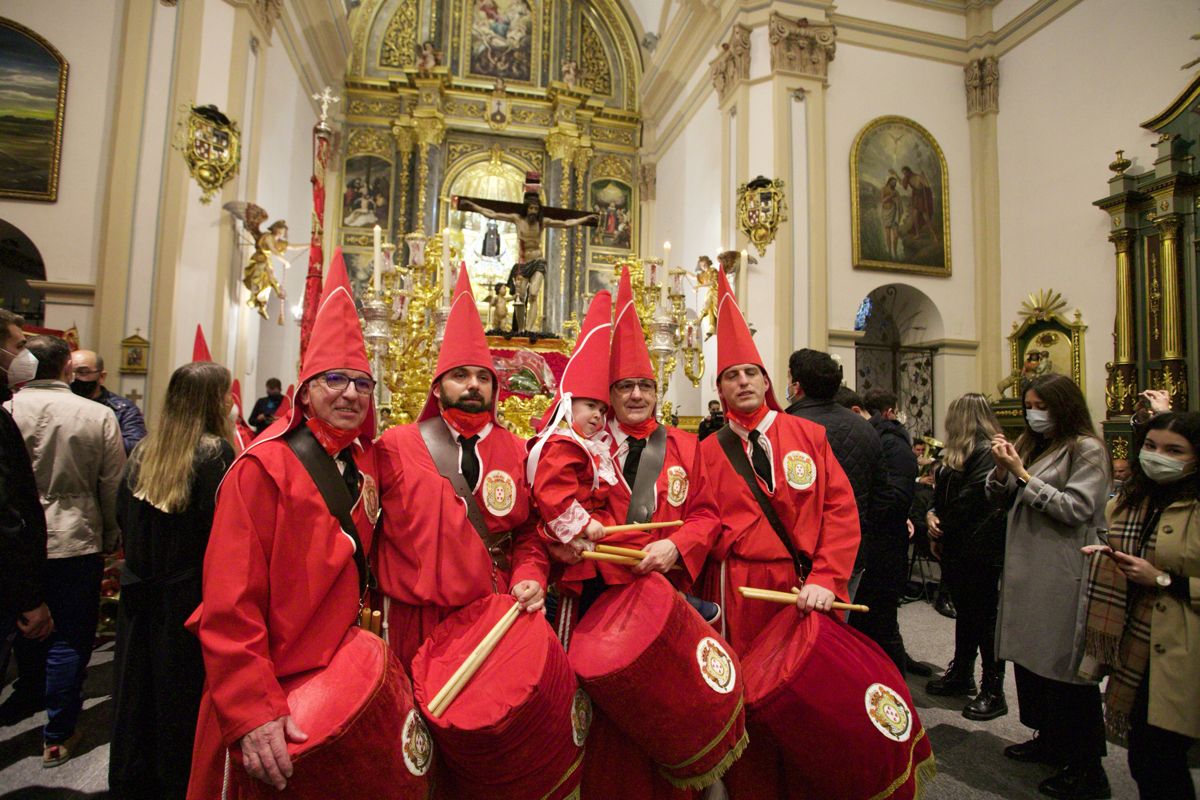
(888, 712)
(499, 491)
(581, 717)
(716, 667)
(212, 148)
(799, 469)
(677, 485)
(416, 744)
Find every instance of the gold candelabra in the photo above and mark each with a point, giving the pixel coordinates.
(672, 330)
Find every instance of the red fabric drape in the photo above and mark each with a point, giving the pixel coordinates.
(316, 256)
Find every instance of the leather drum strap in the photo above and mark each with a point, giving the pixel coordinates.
(444, 452)
(731, 443)
(654, 455)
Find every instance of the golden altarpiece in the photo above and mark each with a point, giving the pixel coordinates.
(1154, 236)
(473, 98)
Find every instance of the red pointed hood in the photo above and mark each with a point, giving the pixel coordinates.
(734, 343)
(464, 344)
(586, 373)
(200, 346)
(630, 357)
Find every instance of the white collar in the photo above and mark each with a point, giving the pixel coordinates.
(763, 425)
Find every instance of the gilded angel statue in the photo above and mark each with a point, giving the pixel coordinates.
(259, 276)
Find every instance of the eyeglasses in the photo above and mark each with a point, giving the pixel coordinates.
(85, 371)
(339, 382)
(627, 387)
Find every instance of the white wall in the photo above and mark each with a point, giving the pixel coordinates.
(67, 232)
(1070, 96)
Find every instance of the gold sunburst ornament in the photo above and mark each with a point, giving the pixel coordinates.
(1042, 304)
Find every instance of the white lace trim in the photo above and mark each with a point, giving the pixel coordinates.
(567, 525)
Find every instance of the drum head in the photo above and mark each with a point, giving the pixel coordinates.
(779, 652)
(621, 625)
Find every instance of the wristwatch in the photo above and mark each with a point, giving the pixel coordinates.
(1163, 579)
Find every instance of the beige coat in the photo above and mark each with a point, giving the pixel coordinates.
(77, 453)
(1175, 625)
(1043, 594)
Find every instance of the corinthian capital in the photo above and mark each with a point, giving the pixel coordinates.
(801, 47)
(732, 66)
(982, 77)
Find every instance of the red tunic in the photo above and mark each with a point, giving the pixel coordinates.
(429, 559)
(563, 490)
(682, 492)
(280, 592)
(815, 502)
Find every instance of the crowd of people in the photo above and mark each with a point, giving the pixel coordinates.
(246, 564)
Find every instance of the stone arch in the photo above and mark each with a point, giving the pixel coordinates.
(20, 262)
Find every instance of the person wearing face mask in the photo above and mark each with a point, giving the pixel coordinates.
(165, 507)
(22, 524)
(1055, 476)
(1144, 609)
(87, 380)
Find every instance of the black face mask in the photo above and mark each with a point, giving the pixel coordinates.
(84, 388)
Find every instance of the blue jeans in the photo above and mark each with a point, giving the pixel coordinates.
(72, 590)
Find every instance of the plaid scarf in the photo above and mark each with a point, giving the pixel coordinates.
(1118, 617)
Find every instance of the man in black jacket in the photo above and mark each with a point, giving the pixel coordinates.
(884, 555)
(22, 535)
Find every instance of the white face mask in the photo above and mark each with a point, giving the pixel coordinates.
(1039, 420)
(23, 367)
(1164, 469)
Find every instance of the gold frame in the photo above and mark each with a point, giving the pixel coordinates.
(131, 346)
(1041, 313)
(51, 193)
(856, 212)
(541, 25)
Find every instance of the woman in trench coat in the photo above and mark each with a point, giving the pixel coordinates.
(1056, 477)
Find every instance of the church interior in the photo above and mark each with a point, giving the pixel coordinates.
(947, 195)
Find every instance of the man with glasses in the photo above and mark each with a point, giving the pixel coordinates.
(87, 380)
(285, 570)
(457, 520)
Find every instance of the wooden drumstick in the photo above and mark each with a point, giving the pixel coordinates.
(364, 619)
(628, 552)
(789, 598)
(377, 623)
(641, 526)
(611, 558)
(472, 663)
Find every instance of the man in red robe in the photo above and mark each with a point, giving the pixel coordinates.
(795, 468)
(431, 558)
(281, 586)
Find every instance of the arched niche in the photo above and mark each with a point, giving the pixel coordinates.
(897, 321)
(20, 262)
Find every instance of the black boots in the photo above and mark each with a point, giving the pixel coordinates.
(989, 703)
(958, 680)
(1078, 782)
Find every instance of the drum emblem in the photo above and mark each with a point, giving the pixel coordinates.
(581, 717)
(677, 485)
(498, 493)
(716, 667)
(416, 744)
(800, 470)
(888, 712)
(370, 498)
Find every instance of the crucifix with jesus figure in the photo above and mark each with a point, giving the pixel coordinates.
(531, 218)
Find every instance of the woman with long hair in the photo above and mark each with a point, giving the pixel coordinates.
(1143, 623)
(1056, 478)
(165, 507)
(968, 531)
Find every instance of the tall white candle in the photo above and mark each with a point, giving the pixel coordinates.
(378, 268)
(667, 255)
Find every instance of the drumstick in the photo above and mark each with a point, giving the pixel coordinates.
(641, 526)
(377, 623)
(789, 598)
(364, 619)
(611, 558)
(628, 552)
(472, 663)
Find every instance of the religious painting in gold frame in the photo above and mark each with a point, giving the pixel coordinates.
(135, 354)
(31, 121)
(899, 199)
(503, 39)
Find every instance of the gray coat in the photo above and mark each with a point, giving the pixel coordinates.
(1043, 595)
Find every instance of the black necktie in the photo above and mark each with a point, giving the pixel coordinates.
(470, 461)
(758, 457)
(349, 473)
(632, 458)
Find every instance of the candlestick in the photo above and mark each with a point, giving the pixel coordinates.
(378, 266)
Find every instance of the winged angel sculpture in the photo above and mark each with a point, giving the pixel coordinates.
(259, 276)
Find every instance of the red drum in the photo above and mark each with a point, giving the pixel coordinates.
(363, 730)
(664, 677)
(836, 711)
(517, 728)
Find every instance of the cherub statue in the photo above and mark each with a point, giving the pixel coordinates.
(570, 72)
(259, 276)
(428, 57)
(499, 306)
(706, 277)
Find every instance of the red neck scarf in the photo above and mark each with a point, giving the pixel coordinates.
(748, 421)
(466, 423)
(641, 430)
(334, 440)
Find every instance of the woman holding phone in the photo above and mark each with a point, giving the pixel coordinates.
(1143, 620)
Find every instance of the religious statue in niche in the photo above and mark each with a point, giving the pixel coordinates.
(531, 218)
(428, 57)
(498, 307)
(492, 245)
(259, 276)
(502, 38)
(706, 278)
(570, 73)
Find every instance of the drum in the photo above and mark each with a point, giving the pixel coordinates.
(664, 677)
(363, 730)
(860, 735)
(516, 731)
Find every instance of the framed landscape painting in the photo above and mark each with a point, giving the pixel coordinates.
(33, 94)
(899, 199)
